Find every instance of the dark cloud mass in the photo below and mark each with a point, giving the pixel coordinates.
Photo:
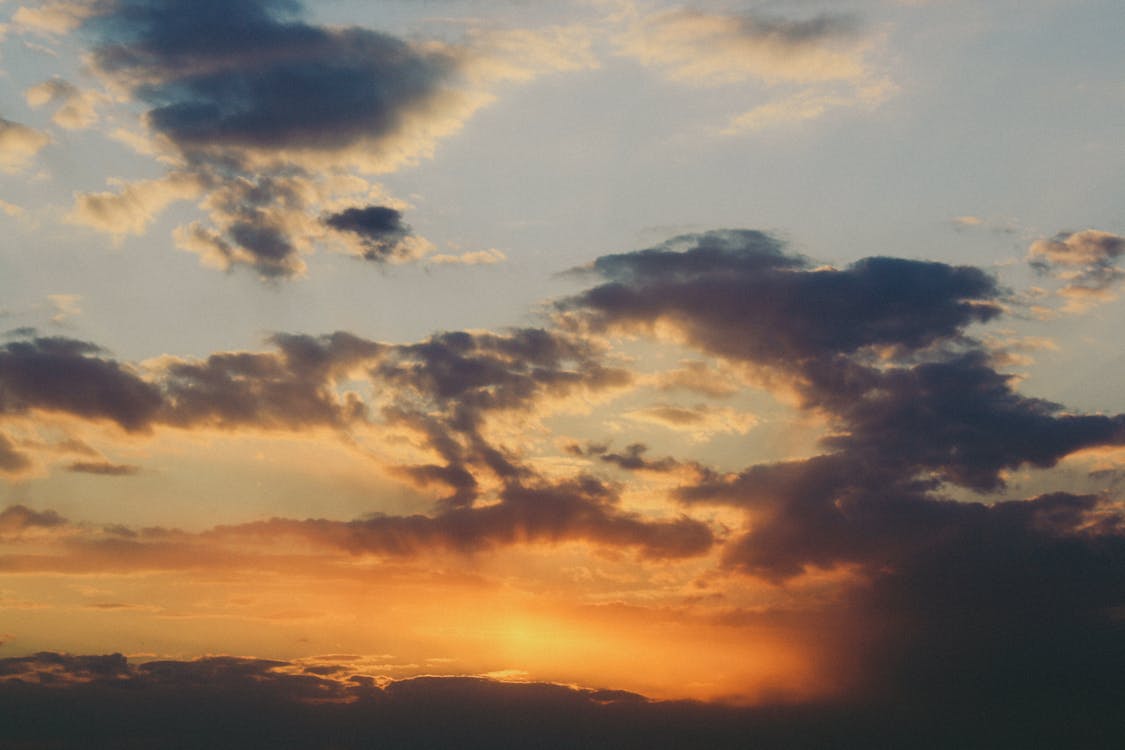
(62, 701)
(444, 389)
(249, 74)
(986, 616)
(379, 228)
(64, 375)
(290, 389)
(990, 622)
(734, 293)
(256, 103)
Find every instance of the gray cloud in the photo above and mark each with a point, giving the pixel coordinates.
(12, 460)
(64, 375)
(380, 230)
(250, 74)
(103, 468)
(528, 511)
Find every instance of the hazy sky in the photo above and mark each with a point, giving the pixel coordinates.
(753, 353)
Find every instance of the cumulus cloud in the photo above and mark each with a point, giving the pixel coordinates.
(445, 391)
(1086, 261)
(64, 375)
(290, 389)
(528, 512)
(381, 233)
(736, 294)
(879, 348)
(75, 108)
(18, 145)
(452, 384)
(264, 111)
(131, 209)
(250, 80)
(982, 607)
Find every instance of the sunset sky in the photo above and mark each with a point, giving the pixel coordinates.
(591, 372)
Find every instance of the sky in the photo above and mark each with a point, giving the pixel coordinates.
(593, 373)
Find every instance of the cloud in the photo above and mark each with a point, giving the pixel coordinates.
(267, 113)
(528, 512)
(807, 105)
(631, 459)
(16, 519)
(1001, 607)
(18, 145)
(381, 233)
(66, 306)
(59, 17)
(76, 109)
(133, 208)
(701, 421)
(822, 60)
(472, 258)
(1086, 261)
(291, 389)
(450, 386)
(103, 468)
(247, 79)
(224, 701)
(714, 48)
(12, 460)
(11, 209)
(734, 293)
(64, 375)
(880, 349)
(705, 378)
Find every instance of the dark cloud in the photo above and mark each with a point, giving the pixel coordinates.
(451, 382)
(962, 419)
(835, 333)
(289, 389)
(632, 458)
(380, 229)
(64, 375)
(225, 702)
(11, 459)
(813, 30)
(17, 518)
(443, 389)
(736, 294)
(977, 618)
(250, 74)
(103, 468)
(583, 509)
(257, 102)
(1011, 612)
